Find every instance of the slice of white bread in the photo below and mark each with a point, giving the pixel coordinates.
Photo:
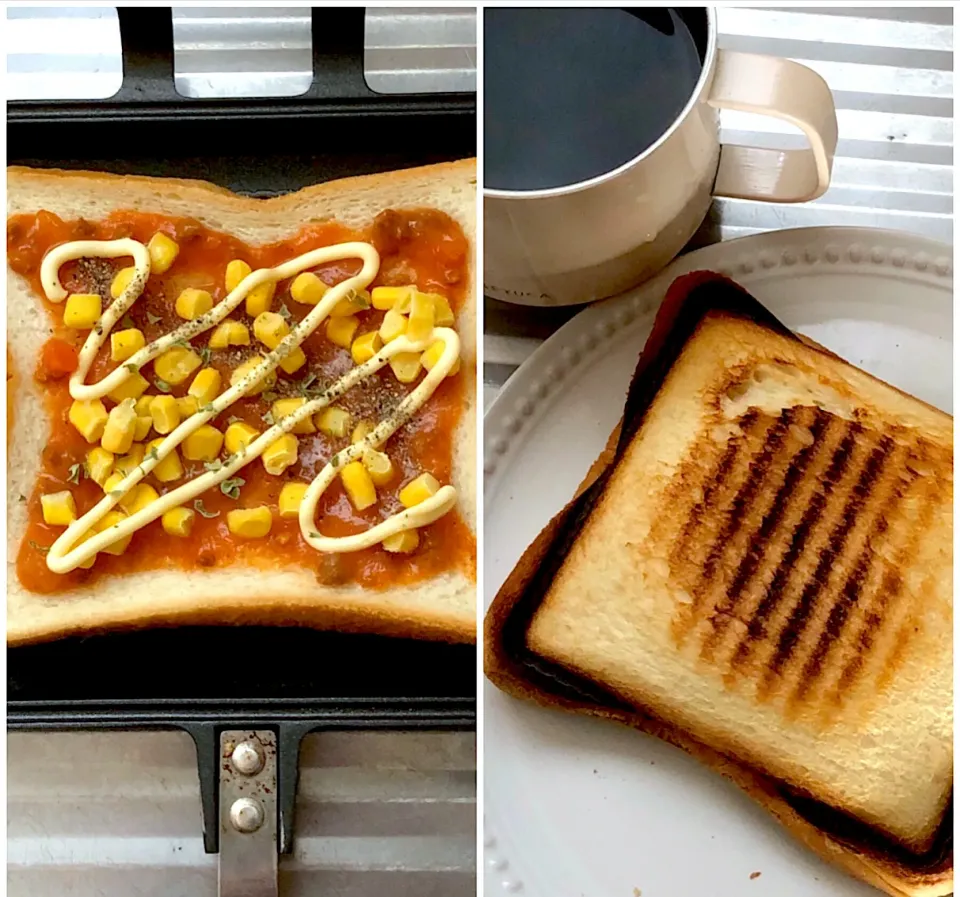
(662, 590)
(443, 607)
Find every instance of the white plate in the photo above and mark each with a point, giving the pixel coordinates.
(580, 807)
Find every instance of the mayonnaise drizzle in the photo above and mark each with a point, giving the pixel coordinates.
(65, 554)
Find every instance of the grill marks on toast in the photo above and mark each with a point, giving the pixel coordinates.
(717, 485)
(789, 552)
(802, 619)
(889, 619)
(726, 489)
(865, 583)
(785, 496)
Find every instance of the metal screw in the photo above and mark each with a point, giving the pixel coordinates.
(247, 759)
(246, 814)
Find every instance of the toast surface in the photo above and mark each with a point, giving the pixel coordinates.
(442, 607)
(511, 662)
(770, 567)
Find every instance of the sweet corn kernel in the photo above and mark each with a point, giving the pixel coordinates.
(112, 487)
(420, 325)
(143, 427)
(187, 406)
(340, 331)
(379, 466)
(291, 495)
(87, 564)
(364, 347)
(192, 303)
(178, 522)
(229, 333)
(82, 311)
(236, 271)
(359, 486)
(121, 281)
(284, 407)
(129, 462)
(362, 430)
(353, 303)
(99, 465)
(402, 543)
(418, 490)
(393, 325)
(89, 418)
(142, 405)
(59, 508)
(442, 313)
(238, 436)
(110, 520)
(307, 289)
(206, 386)
(203, 445)
(124, 343)
(132, 388)
(402, 305)
(121, 424)
(293, 361)
(384, 298)
(170, 468)
(143, 494)
(259, 298)
(270, 328)
(176, 365)
(250, 523)
(432, 355)
(333, 422)
(280, 455)
(163, 252)
(405, 366)
(165, 414)
(246, 370)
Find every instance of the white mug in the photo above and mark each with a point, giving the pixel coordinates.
(593, 239)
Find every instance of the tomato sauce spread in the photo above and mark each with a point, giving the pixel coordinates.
(424, 247)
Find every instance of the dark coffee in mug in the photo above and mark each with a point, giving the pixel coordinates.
(570, 94)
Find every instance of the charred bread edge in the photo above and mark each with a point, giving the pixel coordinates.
(512, 666)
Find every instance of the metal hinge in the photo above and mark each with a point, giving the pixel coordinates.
(248, 814)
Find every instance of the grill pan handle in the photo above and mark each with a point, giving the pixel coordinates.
(212, 766)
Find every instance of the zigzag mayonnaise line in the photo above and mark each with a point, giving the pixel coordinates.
(419, 515)
(119, 307)
(66, 554)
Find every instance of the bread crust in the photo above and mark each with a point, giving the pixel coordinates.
(441, 608)
(857, 850)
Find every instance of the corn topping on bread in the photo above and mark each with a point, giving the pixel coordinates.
(760, 569)
(142, 401)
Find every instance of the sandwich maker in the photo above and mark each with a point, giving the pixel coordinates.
(246, 695)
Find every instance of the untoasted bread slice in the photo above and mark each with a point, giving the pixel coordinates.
(442, 607)
(762, 573)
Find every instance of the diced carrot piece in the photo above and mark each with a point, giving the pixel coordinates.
(59, 358)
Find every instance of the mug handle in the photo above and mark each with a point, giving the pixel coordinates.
(782, 89)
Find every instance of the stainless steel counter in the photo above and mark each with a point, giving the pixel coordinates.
(74, 52)
(118, 815)
(891, 71)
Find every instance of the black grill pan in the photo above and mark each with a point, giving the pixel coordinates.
(206, 679)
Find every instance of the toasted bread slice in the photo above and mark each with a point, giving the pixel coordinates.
(762, 572)
(443, 607)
